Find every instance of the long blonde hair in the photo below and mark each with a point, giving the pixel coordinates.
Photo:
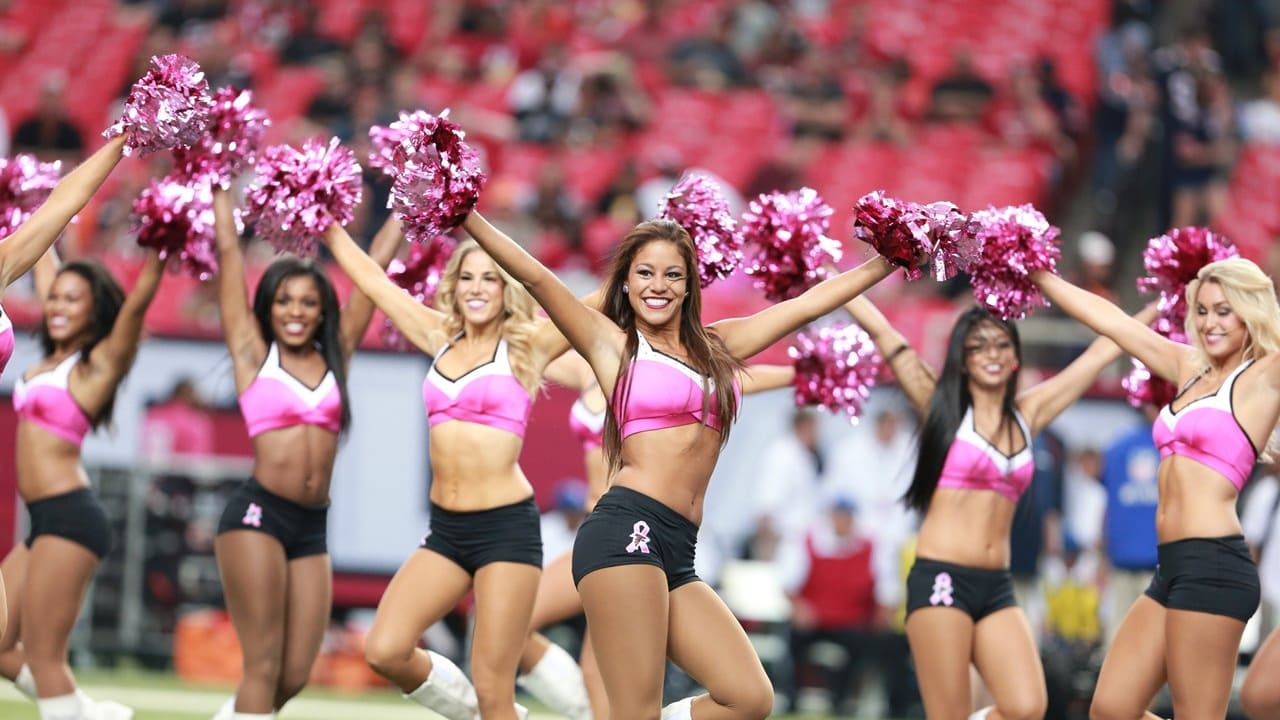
(1252, 297)
(519, 321)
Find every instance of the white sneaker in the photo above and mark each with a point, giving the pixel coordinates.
(108, 710)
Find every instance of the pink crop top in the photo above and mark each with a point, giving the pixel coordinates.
(6, 339)
(1207, 431)
(45, 401)
(487, 395)
(275, 400)
(663, 393)
(587, 426)
(973, 463)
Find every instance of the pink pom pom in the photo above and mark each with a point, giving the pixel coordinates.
(25, 183)
(836, 367)
(167, 107)
(788, 232)
(698, 205)
(176, 217)
(387, 138)
(953, 239)
(236, 128)
(419, 275)
(1016, 241)
(437, 175)
(299, 193)
(1172, 261)
(896, 229)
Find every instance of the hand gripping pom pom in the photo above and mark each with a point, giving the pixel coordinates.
(1016, 241)
(419, 275)
(25, 183)
(1172, 261)
(895, 229)
(167, 107)
(175, 217)
(790, 248)
(836, 367)
(236, 128)
(299, 193)
(697, 204)
(437, 175)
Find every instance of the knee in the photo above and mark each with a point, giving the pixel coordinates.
(493, 689)
(385, 654)
(290, 684)
(754, 702)
(1106, 708)
(1260, 699)
(1029, 707)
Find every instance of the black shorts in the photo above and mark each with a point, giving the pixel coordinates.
(301, 529)
(1210, 575)
(473, 539)
(76, 516)
(630, 528)
(977, 591)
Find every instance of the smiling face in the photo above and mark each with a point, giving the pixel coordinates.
(990, 356)
(296, 311)
(478, 292)
(657, 282)
(1221, 331)
(68, 309)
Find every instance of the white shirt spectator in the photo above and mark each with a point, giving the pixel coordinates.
(786, 486)
(1261, 523)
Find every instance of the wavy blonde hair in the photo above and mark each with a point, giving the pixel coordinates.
(1252, 297)
(519, 321)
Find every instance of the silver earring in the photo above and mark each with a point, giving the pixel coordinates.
(625, 289)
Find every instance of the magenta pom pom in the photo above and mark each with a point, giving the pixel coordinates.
(299, 193)
(788, 236)
(236, 128)
(953, 240)
(168, 107)
(1016, 241)
(437, 175)
(176, 217)
(25, 183)
(836, 367)
(698, 205)
(1172, 261)
(895, 229)
(419, 275)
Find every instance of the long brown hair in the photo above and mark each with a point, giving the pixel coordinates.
(707, 352)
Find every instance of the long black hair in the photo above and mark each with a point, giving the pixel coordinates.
(328, 336)
(707, 352)
(107, 297)
(951, 400)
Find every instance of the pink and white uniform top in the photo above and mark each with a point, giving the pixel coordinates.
(662, 392)
(974, 463)
(587, 426)
(488, 395)
(45, 401)
(275, 400)
(1206, 430)
(6, 339)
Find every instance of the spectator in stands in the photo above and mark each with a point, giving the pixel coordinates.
(1031, 121)
(544, 98)
(618, 200)
(1036, 535)
(180, 425)
(786, 167)
(707, 60)
(1260, 119)
(815, 104)
(331, 106)
(883, 121)
(1203, 146)
(304, 43)
(962, 95)
(1084, 506)
(828, 574)
(1129, 467)
(786, 483)
(609, 105)
(1261, 521)
(1125, 114)
(560, 523)
(50, 134)
(1096, 271)
(184, 17)
(557, 214)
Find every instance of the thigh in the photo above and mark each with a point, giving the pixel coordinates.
(504, 602)
(708, 642)
(254, 576)
(941, 642)
(557, 598)
(425, 589)
(56, 582)
(591, 678)
(14, 572)
(1201, 651)
(626, 608)
(308, 603)
(1260, 685)
(1134, 668)
(1006, 656)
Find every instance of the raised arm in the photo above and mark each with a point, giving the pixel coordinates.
(359, 309)
(45, 272)
(1040, 404)
(25, 246)
(417, 322)
(762, 378)
(569, 371)
(114, 354)
(915, 377)
(591, 333)
(239, 328)
(747, 336)
(1164, 357)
